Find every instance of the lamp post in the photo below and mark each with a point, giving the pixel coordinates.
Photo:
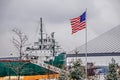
(76, 52)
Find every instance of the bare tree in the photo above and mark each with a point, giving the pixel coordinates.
(19, 41)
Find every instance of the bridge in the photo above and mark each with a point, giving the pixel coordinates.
(107, 44)
(94, 54)
(99, 50)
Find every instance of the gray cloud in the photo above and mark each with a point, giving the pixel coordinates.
(102, 15)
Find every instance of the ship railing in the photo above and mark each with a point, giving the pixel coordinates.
(47, 66)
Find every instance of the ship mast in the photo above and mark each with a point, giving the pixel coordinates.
(41, 31)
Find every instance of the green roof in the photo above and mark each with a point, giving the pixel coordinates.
(27, 68)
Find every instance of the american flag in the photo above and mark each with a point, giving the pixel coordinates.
(78, 23)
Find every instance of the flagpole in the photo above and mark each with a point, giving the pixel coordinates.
(86, 45)
(76, 25)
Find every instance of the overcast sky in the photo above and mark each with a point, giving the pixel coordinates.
(102, 15)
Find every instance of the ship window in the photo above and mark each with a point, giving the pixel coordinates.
(40, 47)
(45, 40)
(28, 48)
(44, 46)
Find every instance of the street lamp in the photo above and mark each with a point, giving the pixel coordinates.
(76, 52)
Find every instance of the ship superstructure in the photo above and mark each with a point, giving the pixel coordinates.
(44, 49)
(43, 57)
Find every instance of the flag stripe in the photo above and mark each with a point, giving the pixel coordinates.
(78, 23)
(78, 27)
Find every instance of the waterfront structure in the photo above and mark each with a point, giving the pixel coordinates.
(44, 59)
(100, 51)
